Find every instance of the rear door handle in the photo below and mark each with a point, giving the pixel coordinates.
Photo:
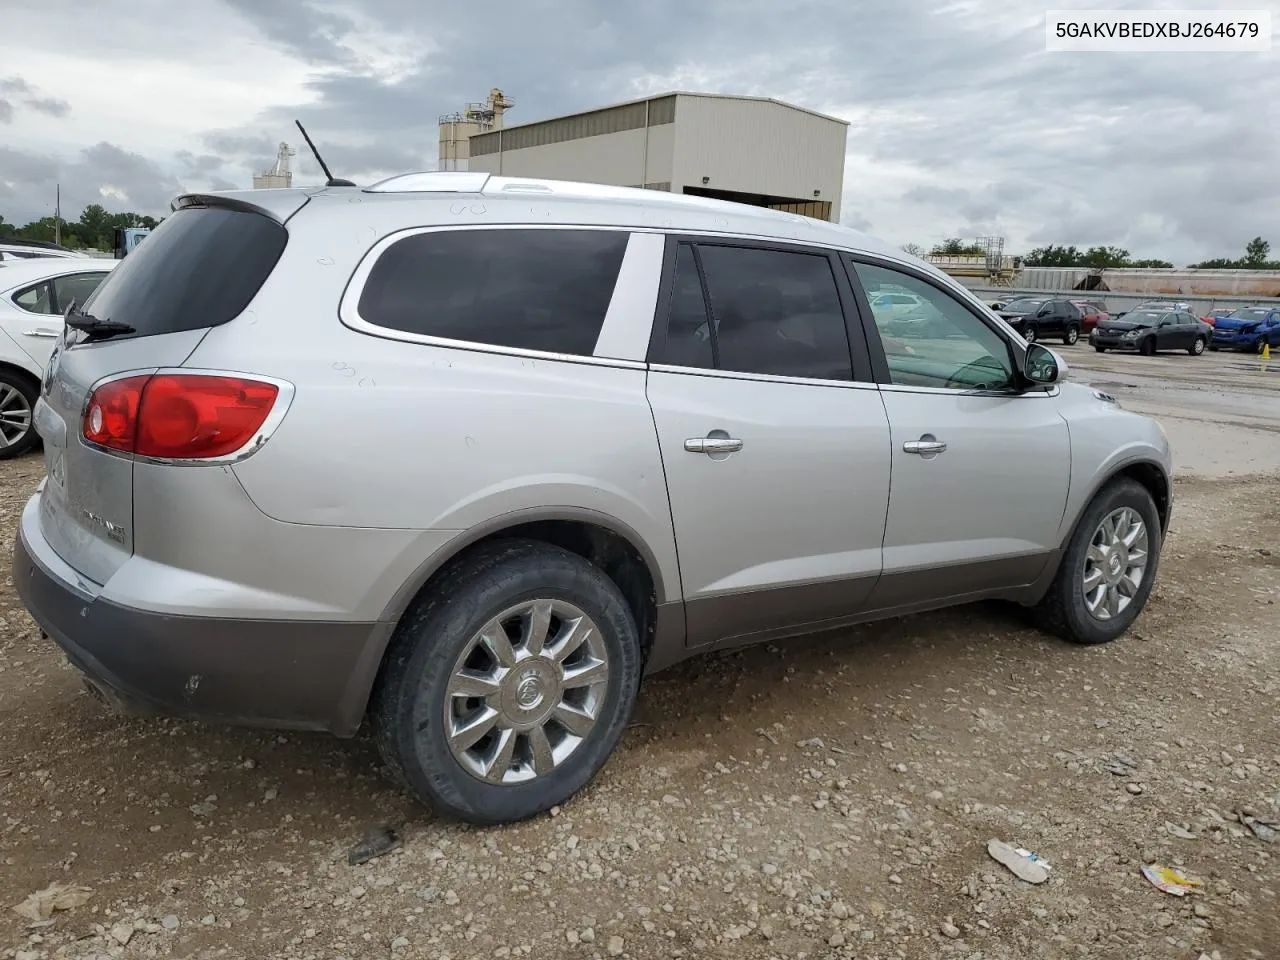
(713, 445)
(40, 333)
(926, 446)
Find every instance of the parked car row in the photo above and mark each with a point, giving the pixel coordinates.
(1149, 327)
(1037, 318)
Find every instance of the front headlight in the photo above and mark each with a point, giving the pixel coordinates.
(1130, 334)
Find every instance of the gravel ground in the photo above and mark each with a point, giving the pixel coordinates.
(832, 797)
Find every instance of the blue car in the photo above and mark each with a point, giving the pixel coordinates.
(1249, 328)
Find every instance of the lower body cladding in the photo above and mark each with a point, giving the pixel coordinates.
(304, 674)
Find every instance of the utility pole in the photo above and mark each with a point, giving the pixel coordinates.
(57, 216)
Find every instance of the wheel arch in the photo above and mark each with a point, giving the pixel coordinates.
(605, 541)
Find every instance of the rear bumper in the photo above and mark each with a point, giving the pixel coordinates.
(293, 674)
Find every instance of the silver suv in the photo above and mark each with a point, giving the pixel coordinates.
(468, 455)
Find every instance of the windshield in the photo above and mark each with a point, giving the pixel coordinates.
(1253, 314)
(1022, 306)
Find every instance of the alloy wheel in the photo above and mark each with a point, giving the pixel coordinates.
(1115, 563)
(526, 691)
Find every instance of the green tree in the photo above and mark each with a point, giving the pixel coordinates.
(955, 247)
(1157, 264)
(1255, 253)
(1103, 258)
(1053, 256)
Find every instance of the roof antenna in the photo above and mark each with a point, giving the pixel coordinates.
(329, 178)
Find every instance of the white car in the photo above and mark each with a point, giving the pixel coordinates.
(15, 249)
(34, 294)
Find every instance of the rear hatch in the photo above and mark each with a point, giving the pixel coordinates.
(200, 268)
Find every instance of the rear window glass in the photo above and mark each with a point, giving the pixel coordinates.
(528, 289)
(199, 268)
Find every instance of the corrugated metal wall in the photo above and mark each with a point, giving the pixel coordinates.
(755, 146)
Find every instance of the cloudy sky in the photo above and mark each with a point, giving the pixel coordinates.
(961, 123)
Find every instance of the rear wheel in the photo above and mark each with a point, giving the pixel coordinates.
(1071, 336)
(18, 395)
(509, 684)
(1197, 347)
(1108, 569)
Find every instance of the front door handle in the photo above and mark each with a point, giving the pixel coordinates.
(713, 445)
(40, 333)
(926, 446)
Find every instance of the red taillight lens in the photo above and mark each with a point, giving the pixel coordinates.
(111, 419)
(178, 416)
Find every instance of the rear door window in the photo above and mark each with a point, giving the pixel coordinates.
(199, 268)
(545, 290)
(773, 312)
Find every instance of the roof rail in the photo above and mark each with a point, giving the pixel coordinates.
(432, 181)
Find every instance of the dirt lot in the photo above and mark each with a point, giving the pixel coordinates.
(832, 797)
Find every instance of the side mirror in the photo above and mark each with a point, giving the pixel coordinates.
(1042, 365)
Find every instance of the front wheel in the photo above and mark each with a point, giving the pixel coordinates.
(18, 397)
(1030, 335)
(1108, 569)
(508, 684)
(1148, 347)
(1213, 348)
(1071, 336)
(1100, 349)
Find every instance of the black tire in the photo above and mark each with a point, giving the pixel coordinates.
(1197, 347)
(26, 391)
(1100, 349)
(407, 709)
(1071, 335)
(1261, 344)
(1148, 347)
(1062, 610)
(1030, 335)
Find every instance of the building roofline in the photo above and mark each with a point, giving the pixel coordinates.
(664, 96)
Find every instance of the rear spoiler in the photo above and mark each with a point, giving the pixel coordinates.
(278, 205)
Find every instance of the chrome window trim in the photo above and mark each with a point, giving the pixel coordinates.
(349, 313)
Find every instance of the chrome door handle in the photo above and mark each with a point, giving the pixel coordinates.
(713, 445)
(928, 448)
(40, 333)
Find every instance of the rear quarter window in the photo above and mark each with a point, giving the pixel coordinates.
(545, 290)
(199, 268)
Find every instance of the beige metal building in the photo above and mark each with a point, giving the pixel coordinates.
(747, 149)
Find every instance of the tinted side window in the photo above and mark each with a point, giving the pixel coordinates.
(199, 268)
(945, 346)
(689, 341)
(776, 312)
(527, 289)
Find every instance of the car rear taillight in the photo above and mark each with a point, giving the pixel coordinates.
(178, 416)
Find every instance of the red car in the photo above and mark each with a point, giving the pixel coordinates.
(1091, 314)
